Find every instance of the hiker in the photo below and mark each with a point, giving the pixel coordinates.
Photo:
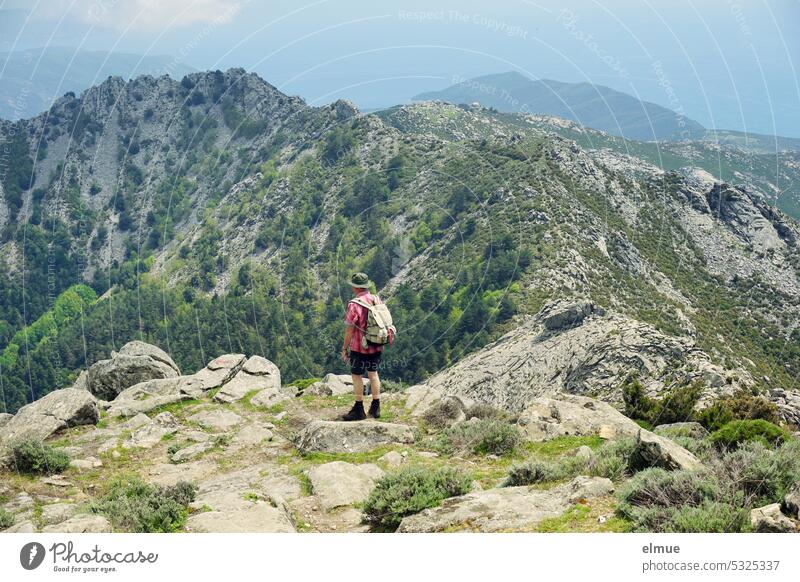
(367, 330)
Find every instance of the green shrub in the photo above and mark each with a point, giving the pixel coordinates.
(675, 405)
(739, 406)
(134, 506)
(6, 519)
(532, 472)
(481, 437)
(612, 459)
(36, 458)
(409, 491)
(759, 474)
(708, 517)
(737, 432)
(650, 498)
(443, 413)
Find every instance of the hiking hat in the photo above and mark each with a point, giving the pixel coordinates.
(359, 280)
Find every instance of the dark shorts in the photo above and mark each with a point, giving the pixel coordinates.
(362, 363)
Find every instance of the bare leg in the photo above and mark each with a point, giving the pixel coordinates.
(374, 385)
(358, 387)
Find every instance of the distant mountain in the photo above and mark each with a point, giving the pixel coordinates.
(33, 79)
(591, 105)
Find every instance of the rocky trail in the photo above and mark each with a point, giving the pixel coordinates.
(270, 457)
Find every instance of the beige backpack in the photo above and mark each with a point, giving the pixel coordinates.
(380, 329)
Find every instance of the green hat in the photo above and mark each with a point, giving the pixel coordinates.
(359, 280)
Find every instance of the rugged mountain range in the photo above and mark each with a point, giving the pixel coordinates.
(217, 215)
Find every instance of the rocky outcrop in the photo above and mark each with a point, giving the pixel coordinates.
(136, 362)
(791, 502)
(338, 483)
(788, 403)
(681, 429)
(216, 420)
(85, 523)
(655, 451)
(4, 418)
(151, 433)
(505, 509)
(151, 394)
(44, 417)
(593, 354)
(257, 373)
(769, 519)
(351, 437)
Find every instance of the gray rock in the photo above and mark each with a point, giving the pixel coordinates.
(57, 512)
(41, 419)
(4, 418)
(86, 464)
(136, 362)
(21, 527)
(252, 435)
(257, 374)
(564, 314)
(655, 451)
(150, 394)
(257, 517)
(338, 483)
(350, 437)
(791, 502)
(769, 519)
(565, 414)
(190, 452)
(151, 433)
(84, 523)
(595, 357)
(788, 403)
(220, 371)
(507, 508)
(216, 420)
(681, 429)
(19, 503)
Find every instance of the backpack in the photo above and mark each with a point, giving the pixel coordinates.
(380, 330)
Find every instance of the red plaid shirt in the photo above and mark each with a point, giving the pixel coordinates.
(356, 316)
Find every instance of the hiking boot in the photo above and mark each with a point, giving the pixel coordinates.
(356, 413)
(375, 409)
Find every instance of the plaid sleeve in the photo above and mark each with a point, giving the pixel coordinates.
(351, 316)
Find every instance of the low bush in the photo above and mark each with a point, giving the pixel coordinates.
(758, 474)
(708, 517)
(480, 437)
(409, 491)
(135, 506)
(612, 459)
(675, 405)
(36, 458)
(443, 413)
(532, 472)
(6, 519)
(737, 432)
(741, 405)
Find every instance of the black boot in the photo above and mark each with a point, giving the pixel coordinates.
(356, 413)
(375, 408)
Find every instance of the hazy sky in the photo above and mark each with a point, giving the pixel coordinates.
(726, 63)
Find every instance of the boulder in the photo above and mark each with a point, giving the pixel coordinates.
(257, 517)
(4, 418)
(656, 451)
(560, 315)
(567, 414)
(507, 508)
(151, 394)
(392, 459)
(136, 362)
(220, 370)
(788, 403)
(257, 373)
(769, 519)
(84, 523)
(334, 385)
(681, 429)
(42, 418)
(338, 483)
(791, 502)
(217, 420)
(351, 437)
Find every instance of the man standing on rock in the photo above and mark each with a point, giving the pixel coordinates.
(361, 355)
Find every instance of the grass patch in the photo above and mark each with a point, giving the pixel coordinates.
(173, 407)
(563, 444)
(584, 519)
